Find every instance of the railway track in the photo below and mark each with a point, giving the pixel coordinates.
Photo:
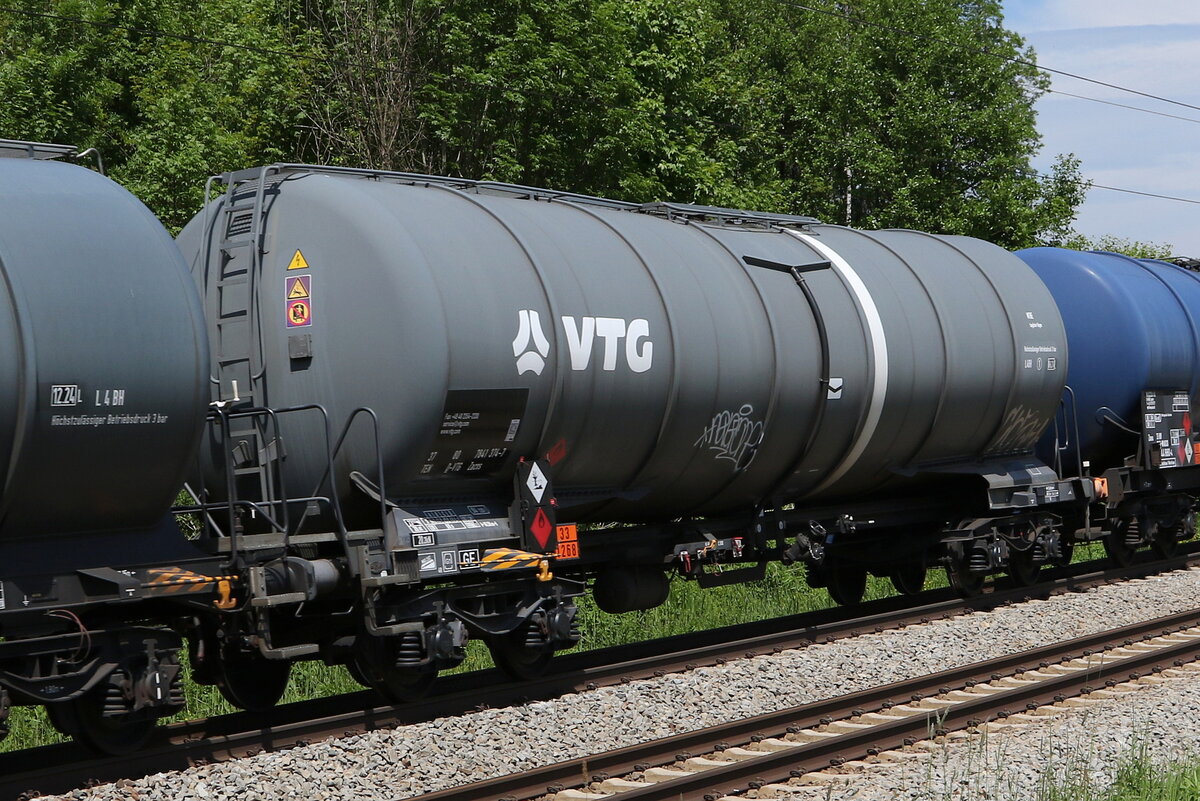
(759, 752)
(59, 768)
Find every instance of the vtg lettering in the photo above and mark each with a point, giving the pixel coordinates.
(581, 335)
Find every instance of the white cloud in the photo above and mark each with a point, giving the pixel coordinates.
(1072, 14)
(1113, 42)
(1165, 68)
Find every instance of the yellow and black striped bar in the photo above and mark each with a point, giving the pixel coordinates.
(509, 559)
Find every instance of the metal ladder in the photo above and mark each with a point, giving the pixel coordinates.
(240, 363)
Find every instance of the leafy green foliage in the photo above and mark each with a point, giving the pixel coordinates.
(166, 113)
(909, 115)
(1116, 244)
(877, 113)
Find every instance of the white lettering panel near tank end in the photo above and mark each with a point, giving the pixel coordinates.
(1168, 435)
(476, 432)
(63, 397)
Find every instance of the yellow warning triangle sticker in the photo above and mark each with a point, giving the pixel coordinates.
(298, 290)
(298, 263)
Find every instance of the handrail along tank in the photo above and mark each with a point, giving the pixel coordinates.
(646, 349)
(96, 428)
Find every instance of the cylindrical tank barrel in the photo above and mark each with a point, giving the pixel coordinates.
(668, 363)
(1132, 327)
(103, 371)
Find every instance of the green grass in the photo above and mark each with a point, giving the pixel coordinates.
(1136, 778)
(689, 608)
(1069, 771)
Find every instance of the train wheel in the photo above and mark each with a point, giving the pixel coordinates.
(516, 657)
(83, 720)
(357, 674)
(1021, 568)
(963, 581)
(249, 681)
(1164, 541)
(1187, 527)
(374, 665)
(909, 579)
(1165, 544)
(1066, 551)
(846, 585)
(1119, 551)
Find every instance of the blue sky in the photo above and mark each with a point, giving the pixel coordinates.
(1149, 45)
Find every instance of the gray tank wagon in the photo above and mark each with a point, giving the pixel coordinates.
(427, 384)
(663, 356)
(103, 373)
(87, 412)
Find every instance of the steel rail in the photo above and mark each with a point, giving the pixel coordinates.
(775, 766)
(59, 768)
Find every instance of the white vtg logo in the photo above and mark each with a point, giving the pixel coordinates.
(529, 327)
(531, 346)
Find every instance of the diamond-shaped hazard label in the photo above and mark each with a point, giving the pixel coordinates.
(536, 483)
(541, 527)
(1187, 449)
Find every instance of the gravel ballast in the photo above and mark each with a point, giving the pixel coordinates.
(410, 760)
(1072, 748)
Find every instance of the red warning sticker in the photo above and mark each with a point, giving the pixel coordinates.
(299, 313)
(541, 527)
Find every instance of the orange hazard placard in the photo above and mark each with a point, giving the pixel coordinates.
(568, 542)
(299, 313)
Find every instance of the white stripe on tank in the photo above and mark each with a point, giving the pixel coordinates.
(878, 352)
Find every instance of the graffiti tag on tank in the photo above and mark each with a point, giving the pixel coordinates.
(1019, 431)
(735, 436)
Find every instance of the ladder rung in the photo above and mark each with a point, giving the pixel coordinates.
(290, 651)
(283, 599)
(385, 581)
(383, 631)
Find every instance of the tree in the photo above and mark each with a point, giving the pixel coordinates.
(632, 100)
(898, 114)
(876, 113)
(56, 76)
(137, 80)
(364, 107)
(1115, 244)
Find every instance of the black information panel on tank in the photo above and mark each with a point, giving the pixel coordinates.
(1167, 430)
(477, 430)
